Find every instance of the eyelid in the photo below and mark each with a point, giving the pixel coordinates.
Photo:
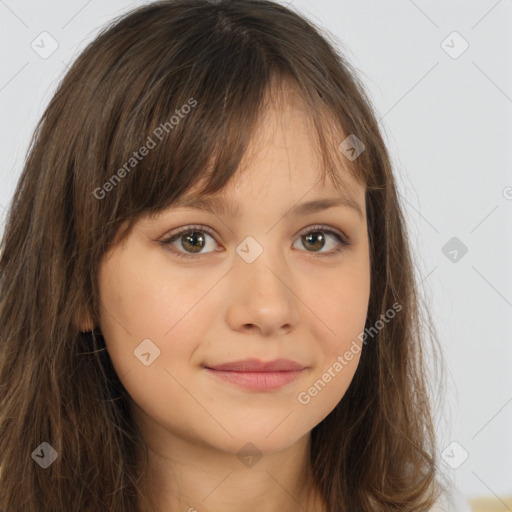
(326, 228)
(187, 229)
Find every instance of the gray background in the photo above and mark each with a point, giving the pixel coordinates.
(447, 122)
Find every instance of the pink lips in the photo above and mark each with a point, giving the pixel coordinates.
(258, 375)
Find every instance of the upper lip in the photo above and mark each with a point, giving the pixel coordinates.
(256, 365)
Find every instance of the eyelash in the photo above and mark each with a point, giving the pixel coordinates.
(343, 242)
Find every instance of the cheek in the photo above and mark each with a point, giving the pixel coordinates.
(139, 303)
(339, 349)
(341, 306)
(338, 318)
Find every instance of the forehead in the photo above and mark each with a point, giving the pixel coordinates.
(283, 161)
(218, 204)
(291, 133)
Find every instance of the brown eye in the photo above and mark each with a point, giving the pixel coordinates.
(317, 237)
(189, 241)
(315, 240)
(194, 241)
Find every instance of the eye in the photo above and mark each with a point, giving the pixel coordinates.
(315, 237)
(194, 239)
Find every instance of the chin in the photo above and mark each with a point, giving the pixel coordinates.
(263, 438)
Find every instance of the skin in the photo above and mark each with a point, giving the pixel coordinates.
(291, 302)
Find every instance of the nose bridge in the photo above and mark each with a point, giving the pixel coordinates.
(262, 263)
(262, 288)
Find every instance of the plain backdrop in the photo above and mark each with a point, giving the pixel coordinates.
(439, 75)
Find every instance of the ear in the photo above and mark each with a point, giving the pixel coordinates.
(83, 321)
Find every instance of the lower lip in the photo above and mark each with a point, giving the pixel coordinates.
(258, 381)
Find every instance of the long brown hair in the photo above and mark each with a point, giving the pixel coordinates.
(187, 79)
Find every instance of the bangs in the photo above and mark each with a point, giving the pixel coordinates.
(188, 113)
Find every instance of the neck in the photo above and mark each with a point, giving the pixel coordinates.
(199, 478)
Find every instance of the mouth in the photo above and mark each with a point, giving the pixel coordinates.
(257, 375)
(257, 381)
(256, 365)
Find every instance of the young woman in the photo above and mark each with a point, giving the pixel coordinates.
(207, 292)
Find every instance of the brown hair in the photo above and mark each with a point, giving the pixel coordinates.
(376, 450)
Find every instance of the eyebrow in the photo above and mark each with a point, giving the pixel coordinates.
(221, 206)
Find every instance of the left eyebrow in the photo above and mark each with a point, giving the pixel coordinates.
(221, 206)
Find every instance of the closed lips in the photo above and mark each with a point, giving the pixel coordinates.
(255, 365)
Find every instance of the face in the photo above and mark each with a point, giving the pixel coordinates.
(266, 283)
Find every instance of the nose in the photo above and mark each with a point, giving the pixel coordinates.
(261, 297)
